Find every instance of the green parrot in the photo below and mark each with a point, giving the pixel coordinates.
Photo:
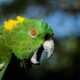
(24, 38)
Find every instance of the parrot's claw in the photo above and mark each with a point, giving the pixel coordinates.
(2, 65)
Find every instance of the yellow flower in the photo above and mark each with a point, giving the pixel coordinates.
(20, 19)
(9, 25)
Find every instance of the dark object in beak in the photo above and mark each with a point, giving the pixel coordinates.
(39, 53)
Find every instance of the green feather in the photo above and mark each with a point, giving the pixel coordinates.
(20, 41)
(5, 55)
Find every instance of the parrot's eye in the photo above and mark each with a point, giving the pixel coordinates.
(33, 33)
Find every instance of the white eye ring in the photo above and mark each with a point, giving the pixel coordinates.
(33, 35)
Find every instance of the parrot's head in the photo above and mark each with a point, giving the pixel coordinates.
(29, 38)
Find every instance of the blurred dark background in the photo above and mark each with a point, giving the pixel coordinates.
(64, 18)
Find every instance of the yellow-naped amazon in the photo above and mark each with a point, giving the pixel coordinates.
(25, 39)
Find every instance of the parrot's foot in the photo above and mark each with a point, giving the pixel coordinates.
(1, 65)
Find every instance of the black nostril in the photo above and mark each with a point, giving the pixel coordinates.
(52, 34)
(47, 36)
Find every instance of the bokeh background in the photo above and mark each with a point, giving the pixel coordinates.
(64, 18)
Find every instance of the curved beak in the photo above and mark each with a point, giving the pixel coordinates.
(48, 46)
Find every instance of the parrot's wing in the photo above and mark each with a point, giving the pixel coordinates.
(5, 56)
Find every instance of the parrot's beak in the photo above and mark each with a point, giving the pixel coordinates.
(48, 46)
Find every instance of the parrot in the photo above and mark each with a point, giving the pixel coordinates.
(25, 39)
